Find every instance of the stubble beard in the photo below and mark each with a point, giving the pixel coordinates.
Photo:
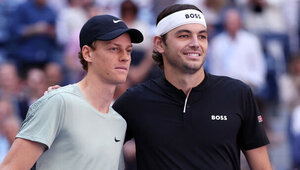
(184, 67)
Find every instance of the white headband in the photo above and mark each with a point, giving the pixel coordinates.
(179, 18)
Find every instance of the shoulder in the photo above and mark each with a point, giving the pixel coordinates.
(229, 90)
(116, 115)
(143, 88)
(227, 83)
(54, 97)
(225, 80)
(137, 94)
(71, 89)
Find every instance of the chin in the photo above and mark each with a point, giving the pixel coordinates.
(120, 81)
(194, 66)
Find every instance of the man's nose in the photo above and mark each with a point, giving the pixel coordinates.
(125, 56)
(194, 42)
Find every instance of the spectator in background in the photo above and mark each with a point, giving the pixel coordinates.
(73, 68)
(129, 13)
(9, 125)
(159, 5)
(74, 71)
(142, 65)
(34, 30)
(57, 5)
(109, 6)
(291, 12)
(238, 53)
(10, 83)
(263, 16)
(54, 74)
(290, 84)
(290, 98)
(71, 19)
(7, 9)
(36, 84)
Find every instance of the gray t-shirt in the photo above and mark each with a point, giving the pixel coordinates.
(77, 136)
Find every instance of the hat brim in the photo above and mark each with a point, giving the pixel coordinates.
(135, 35)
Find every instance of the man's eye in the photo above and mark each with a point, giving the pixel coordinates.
(203, 37)
(129, 50)
(114, 49)
(183, 36)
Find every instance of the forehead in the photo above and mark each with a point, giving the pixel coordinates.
(122, 40)
(193, 28)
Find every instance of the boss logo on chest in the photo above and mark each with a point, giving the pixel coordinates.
(218, 117)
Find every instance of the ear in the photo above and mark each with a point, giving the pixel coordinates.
(86, 53)
(158, 44)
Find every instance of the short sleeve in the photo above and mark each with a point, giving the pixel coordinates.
(44, 120)
(253, 134)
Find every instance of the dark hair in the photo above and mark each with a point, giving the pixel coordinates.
(157, 57)
(82, 60)
(128, 6)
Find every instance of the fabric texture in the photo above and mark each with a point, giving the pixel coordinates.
(220, 119)
(77, 136)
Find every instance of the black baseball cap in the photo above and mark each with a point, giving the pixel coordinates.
(105, 28)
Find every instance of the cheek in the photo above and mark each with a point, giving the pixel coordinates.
(204, 45)
(174, 48)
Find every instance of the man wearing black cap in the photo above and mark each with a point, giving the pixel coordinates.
(74, 127)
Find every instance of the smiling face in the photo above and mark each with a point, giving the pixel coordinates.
(110, 60)
(185, 48)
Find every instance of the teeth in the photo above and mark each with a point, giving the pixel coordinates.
(194, 55)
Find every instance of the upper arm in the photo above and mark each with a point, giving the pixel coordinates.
(22, 155)
(258, 158)
(44, 120)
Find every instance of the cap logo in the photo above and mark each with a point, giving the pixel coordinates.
(116, 21)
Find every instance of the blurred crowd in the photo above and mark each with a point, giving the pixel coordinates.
(256, 41)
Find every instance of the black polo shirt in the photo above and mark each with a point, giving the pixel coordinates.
(219, 119)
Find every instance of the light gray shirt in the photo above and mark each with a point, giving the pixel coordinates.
(77, 136)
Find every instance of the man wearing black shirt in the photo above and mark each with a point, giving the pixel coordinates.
(190, 119)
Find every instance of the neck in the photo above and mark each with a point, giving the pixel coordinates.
(184, 81)
(233, 34)
(97, 93)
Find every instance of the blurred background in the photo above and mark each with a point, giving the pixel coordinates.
(256, 41)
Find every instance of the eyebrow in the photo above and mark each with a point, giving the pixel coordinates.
(120, 45)
(188, 31)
